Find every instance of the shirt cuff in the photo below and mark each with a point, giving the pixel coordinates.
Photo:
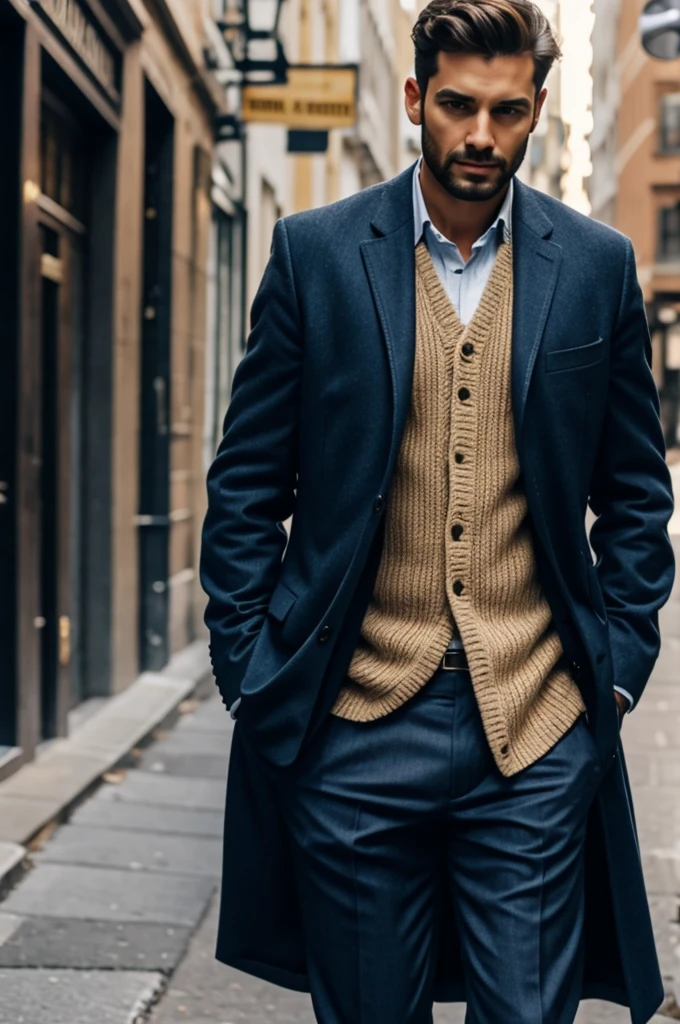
(624, 693)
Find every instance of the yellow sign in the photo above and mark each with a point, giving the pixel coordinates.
(314, 98)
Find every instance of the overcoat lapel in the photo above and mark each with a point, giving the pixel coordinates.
(537, 265)
(389, 261)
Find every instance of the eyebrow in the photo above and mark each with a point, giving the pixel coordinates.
(451, 94)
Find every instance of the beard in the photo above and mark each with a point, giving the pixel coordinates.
(470, 191)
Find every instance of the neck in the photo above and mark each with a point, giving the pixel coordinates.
(459, 220)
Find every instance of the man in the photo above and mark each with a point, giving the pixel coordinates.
(427, 796)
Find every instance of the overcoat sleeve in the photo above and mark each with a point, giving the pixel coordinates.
(631, 494)
(251, 484)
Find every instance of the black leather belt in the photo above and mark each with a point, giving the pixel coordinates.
(455, 661)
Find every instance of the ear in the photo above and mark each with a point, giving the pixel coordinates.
(413, 101)
(538, 108)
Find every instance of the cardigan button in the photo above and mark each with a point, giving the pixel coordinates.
(457, 532)
(468, 349)
(505, 750)
(463, 394)
(458, 588)
(459, 457)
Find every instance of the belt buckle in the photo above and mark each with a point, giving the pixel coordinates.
(451, 662)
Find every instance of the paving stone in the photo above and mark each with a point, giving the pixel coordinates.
(204, 991)
(11, 856)
(216, 722)
(94, 945)
(103, 894)
(76, 997)
(8, 925)
(667, 931)
(214, 744)
(200, 766)
(147, 788)
(21, 818)
(212, 705)
(142, 818)
(136, 851)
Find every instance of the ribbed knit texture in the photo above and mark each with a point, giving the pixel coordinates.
(527, 699)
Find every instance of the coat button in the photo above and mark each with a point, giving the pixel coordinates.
(379, 505)
(458, 588)
(468, 349)
(463, 394)
(325, 635)
(457, 531)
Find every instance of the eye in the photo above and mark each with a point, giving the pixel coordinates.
(456, 105)
(509, 111)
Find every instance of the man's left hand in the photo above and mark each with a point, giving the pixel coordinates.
(622, 705)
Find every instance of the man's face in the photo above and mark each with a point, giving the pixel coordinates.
(476, 121)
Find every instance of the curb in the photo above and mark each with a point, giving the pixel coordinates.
(45, 790)
(12, 863)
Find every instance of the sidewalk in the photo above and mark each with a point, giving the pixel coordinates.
(106, 913)
(119, 911)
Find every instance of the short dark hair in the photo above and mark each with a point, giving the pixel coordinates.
(491, 28)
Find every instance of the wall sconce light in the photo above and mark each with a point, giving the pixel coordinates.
(251, 31)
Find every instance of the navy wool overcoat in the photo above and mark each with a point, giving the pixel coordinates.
(313, 431)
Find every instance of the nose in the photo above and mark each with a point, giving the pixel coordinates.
(480, 136)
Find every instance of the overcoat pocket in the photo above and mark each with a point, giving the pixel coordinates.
(574, 358)
(282, 600)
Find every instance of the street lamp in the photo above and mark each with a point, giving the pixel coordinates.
(251, 31)
(660, 29)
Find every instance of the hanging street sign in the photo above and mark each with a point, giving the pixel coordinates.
(316, 97)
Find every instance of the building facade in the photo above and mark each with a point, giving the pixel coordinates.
(603, 182)
(138, 232)
(277, 182)
(544, 165)
(636, 177)
(106, 168)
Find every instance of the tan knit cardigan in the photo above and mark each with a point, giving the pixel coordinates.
(458, 551)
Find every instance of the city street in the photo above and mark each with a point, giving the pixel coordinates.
(119, 909)
(213, 320)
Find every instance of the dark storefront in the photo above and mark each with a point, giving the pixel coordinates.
(60, 64)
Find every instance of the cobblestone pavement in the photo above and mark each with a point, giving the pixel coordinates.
(120, 908)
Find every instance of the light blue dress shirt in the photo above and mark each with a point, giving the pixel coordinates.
(465, 282)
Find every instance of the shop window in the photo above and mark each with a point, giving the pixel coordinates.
(669, 233)
(670, 123)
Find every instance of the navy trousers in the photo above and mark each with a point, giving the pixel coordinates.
(390, 817)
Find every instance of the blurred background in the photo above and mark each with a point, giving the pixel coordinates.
(148, 148)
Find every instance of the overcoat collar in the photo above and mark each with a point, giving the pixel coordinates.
(389, 259)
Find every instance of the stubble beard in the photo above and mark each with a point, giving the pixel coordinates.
(469, 191)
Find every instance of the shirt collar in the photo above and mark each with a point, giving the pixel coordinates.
(422, 217)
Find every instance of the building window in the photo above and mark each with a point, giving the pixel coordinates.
(670, 123)
(226, 324)
(62, 159)
(669, 233)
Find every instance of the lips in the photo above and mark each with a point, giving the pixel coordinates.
(481, 167)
